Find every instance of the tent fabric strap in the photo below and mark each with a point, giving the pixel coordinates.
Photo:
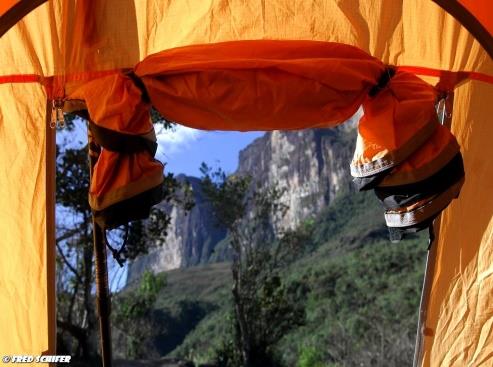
(139, 84)
(89, 75)
(120, 142)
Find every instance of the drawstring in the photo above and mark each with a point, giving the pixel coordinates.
(382, 82)
(117, 254)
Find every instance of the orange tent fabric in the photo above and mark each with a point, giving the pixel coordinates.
(59, 46)
(277, 84)
(475, 15)
(457, 330)
(481, 9)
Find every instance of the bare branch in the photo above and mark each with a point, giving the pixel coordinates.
(68, 264)
(67, 235)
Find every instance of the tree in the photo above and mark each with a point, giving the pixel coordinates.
(132, 315)
(76, 316)
(263, 307)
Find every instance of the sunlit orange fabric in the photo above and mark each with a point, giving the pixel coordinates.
(481, 10)
(55, 40)
(27, 264)
(5, 5)
(118, 177)
(428, 159)
(114, 102)
(277, 84)
(399, 119)
(458, 326)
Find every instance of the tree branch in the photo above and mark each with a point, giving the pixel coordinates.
(78, 332)
(67, 235)
(67, 263)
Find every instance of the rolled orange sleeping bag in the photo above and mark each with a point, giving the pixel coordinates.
(259, 85)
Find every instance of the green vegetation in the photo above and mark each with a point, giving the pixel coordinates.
(360, 294)
(263, 308)
(310, 357)
(133, 316)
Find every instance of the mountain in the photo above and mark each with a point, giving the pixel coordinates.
(310, 166)
(191, 238)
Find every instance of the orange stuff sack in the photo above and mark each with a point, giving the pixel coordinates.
(418, 189)
(396, 121)
(119, 113)
(432, 156)
(127, 179)
(124, 187)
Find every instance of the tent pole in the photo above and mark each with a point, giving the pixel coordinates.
(445, 117)
(102, 294)
(423, 304)
(103, 300)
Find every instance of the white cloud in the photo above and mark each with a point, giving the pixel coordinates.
(176, 140)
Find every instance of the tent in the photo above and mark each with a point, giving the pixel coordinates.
(50, 51)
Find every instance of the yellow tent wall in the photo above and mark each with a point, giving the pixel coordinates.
(458, 328)
(57, 39)
(27, 264)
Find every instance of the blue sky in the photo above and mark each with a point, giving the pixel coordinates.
(184, 149)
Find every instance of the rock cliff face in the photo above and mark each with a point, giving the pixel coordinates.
(190, 241)
(312, 166)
